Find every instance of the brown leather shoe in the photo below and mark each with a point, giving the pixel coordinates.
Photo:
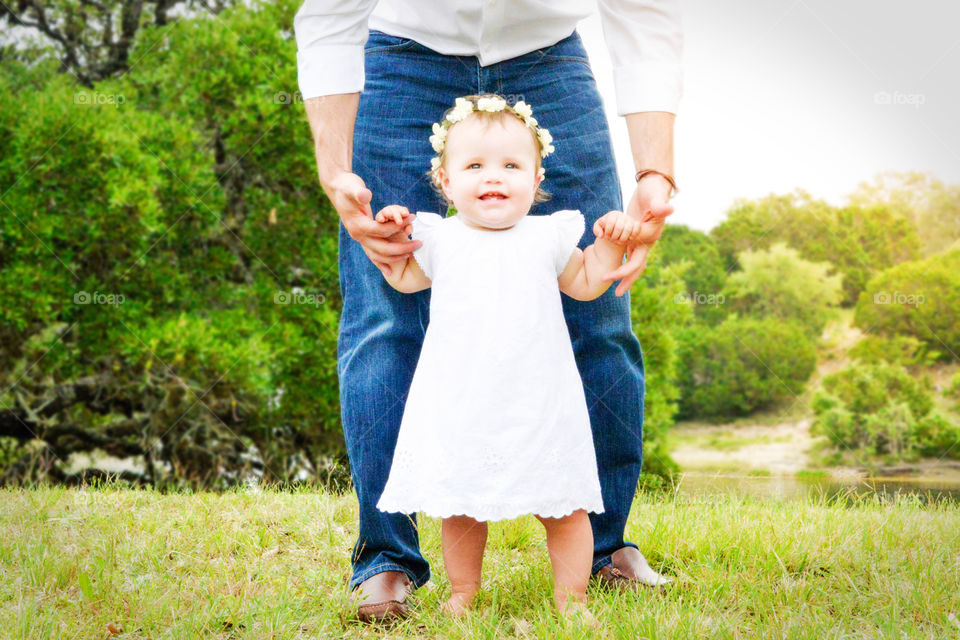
(382, 597)
(628, 569)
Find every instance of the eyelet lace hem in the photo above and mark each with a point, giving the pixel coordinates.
(493, 512)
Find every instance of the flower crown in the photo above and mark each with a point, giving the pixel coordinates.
(464, 107)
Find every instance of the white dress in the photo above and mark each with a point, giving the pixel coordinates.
(495, 425)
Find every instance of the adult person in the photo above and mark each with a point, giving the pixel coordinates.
(374, 76)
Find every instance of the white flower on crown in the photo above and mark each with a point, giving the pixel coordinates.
(541, 172)
(434, 163)
(439, 137)
(461, 110)
(492, 105)
(523, 110)
(545, 139)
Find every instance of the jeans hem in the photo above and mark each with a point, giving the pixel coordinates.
(605, 560)
(418, 581)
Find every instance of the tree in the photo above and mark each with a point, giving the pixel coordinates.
(920, 299)
(656, 315)
(168, 261)
(743, 365)
(933, 206)
(702, 268)
(858, 241)
(93, 40)
(778, 283)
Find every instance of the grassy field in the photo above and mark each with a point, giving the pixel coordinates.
(112, 562)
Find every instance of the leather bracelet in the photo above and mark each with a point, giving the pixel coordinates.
(673, 184)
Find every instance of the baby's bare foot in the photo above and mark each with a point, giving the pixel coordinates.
(578, 613)
(458, 605)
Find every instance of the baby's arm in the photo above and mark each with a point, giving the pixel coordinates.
(407, 276)
(582, 277)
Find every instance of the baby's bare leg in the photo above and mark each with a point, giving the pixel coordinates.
(570, 543)
(463, 540)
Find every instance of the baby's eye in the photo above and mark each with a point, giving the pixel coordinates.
(474, 165)
(513, 165)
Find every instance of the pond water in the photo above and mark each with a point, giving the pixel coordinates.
(699, 486)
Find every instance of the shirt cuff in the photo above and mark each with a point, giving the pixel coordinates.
(326, 70)
(648, 87)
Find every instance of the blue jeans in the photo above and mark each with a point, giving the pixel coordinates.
(408, 87)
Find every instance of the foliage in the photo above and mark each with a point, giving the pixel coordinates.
(743, 365)
(168, 260)
(654, 313)
(902, 350)
(933, 206)
(881, 409)
(858, 240)
(703, 269)
(778, 283)
(918, 299)
(92, 40)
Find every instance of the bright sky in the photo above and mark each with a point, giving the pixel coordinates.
(816, 94)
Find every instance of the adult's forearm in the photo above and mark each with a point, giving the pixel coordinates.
(332, 119)
(651, 140)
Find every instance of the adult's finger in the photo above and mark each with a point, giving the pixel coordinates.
(627, 282)
(635, 257)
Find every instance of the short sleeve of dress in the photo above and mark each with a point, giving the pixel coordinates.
(569, 226)
(425, 227)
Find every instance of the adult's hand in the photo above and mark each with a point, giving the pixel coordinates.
(651, 207)
(385, 243)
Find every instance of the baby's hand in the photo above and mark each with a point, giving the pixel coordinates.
(617, 227)
(395, 213)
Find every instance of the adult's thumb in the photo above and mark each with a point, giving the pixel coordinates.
(362, 196)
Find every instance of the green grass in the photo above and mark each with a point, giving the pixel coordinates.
(275, 565)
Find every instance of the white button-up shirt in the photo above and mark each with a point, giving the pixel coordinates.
(644, 38)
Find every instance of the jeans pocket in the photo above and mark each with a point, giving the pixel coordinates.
(570, 49)
(380, 42)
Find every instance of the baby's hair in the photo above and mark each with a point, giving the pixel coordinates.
(541, 195)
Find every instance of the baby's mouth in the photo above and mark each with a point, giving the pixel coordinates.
(493, 195)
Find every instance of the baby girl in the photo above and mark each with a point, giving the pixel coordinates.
(495, 425)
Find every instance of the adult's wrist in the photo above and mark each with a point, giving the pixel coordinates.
(665, 177)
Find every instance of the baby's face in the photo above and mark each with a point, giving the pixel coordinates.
(490, 171)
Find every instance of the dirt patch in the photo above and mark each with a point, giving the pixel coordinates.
(784, 448)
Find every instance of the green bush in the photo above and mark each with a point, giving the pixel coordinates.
(918, 299)
(694, 253)
(881, 410)
(169, 262)
(778, 283)
(743, 365)
(655, 315)
(902, 350)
